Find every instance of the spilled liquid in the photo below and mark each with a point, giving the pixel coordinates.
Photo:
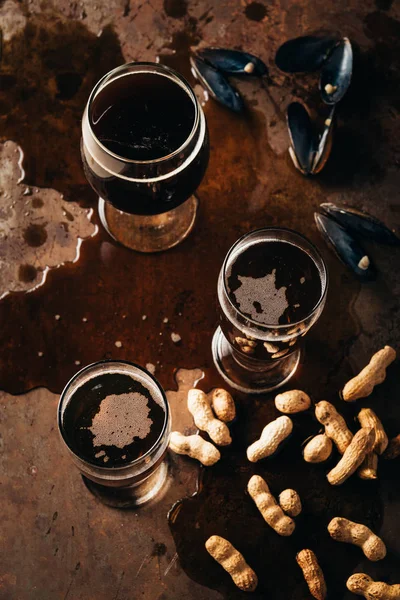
(33, 232)
(222, 505)
(103, 298)
(41, 107)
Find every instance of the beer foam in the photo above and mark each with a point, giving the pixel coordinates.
(120, 419)
(261, 293)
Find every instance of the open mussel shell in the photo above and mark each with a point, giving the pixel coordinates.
(346, 247)
(216, 84)
(306, 53)
(309, 152)
(361, 223)
(233, 62)
(302, 137)
(336, 73)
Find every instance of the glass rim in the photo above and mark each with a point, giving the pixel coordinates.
(136, 461)
(324, 285)
(167, 71)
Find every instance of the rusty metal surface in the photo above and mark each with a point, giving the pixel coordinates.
(53, 53)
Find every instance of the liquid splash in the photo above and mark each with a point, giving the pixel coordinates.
(39, 230)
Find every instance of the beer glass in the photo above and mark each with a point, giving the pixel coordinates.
(145, 151)
(271, 289)
(114, 419)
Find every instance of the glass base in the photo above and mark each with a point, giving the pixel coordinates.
(130, 497)
(149, 233)
(257, 378)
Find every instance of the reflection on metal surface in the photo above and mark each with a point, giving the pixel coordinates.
(38, 229)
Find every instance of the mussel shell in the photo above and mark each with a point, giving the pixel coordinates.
(233, 62)
(302, 137)
(345, 246)
(325, 144)
(361, 223)
(306, 53)
(337, 72)
(216, 84)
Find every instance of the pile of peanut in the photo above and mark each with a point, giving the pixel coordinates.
(358, 453)
(210, 414)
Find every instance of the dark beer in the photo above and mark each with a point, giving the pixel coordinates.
(144, 116)
(274, 283)
(270, 283)
(112, 420)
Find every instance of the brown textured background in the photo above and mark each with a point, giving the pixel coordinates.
(53, 53)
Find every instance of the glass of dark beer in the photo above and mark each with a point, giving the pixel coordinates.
(114, 419)
(145, 151)
(271, 289)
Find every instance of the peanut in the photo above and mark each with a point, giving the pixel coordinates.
(290, 502)
(363, 585)
(272, 436)
(393, 449)
(313, 574)
(354, 455)
(247, 349)
(246, 346)
(293, 401)
(195, 447)
(369, 467)
(280, 353)
(374, 373)
(297, 329)
(245, 342)
(204, 419)
(233, 562)
(343, 530)
(335, 425)
(271, 348)
(368, 418)
(268, 507)
(222, 404)
(318, 449)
